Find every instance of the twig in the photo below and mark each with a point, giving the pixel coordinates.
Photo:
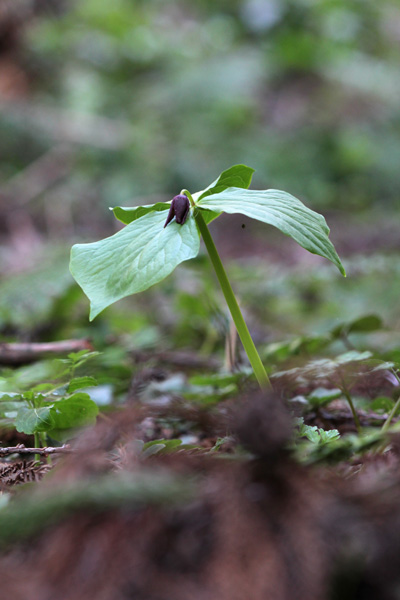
(179, 359)
(21, 449)
(21, 353)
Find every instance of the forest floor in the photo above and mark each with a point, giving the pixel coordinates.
(193, 484)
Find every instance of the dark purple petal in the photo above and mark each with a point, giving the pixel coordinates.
(179, 209)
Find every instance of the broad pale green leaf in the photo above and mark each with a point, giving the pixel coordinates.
(76, 411)
(238, 176)
(132, 260)
(30, 420)
(282, 210)
(128, 214)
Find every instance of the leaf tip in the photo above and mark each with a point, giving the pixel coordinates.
(94, 311)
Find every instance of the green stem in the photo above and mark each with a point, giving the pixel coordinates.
(43, 444)
(388, 421)
(244, 334)
(352, 408)
(37, 443)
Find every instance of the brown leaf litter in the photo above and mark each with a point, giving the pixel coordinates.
(202, 526)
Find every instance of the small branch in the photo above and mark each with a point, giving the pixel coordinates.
(21, 449)
(16, 354)
(179, 359)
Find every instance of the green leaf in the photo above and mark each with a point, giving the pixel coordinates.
(282, 210)
(382, 404)
(163, 445)
(328, 436)
(132, 260)
(353, 356)
(9, 407)
(79, 383)
(31, 420)
(6, 396)
(311, 433)
(210, 215)
(129, 214)
(219, 380)
(384, 366)
(317, 435)
(280, 351)
(238, 176)
(76, 411)
(323, 368)
(42, 387)
(154, 449)
(363, 324)
(322, 396)
(209, 395)
(76, 358)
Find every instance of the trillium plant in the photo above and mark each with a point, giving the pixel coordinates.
(158, 237)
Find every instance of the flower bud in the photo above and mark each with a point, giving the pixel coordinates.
(179, 209)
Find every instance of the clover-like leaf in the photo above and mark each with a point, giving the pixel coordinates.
(132, 260)
(283, 211)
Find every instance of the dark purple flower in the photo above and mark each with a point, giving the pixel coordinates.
(179, 209)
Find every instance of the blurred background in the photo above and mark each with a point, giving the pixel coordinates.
(126, 102)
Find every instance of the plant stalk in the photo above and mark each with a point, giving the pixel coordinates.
(37, 444)
(353, 410)
(244, 334)
(394, 410)
(388, 421)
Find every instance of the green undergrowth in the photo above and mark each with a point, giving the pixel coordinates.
(332, 359)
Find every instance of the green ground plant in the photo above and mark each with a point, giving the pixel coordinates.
(147, 249)
(55, 408)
